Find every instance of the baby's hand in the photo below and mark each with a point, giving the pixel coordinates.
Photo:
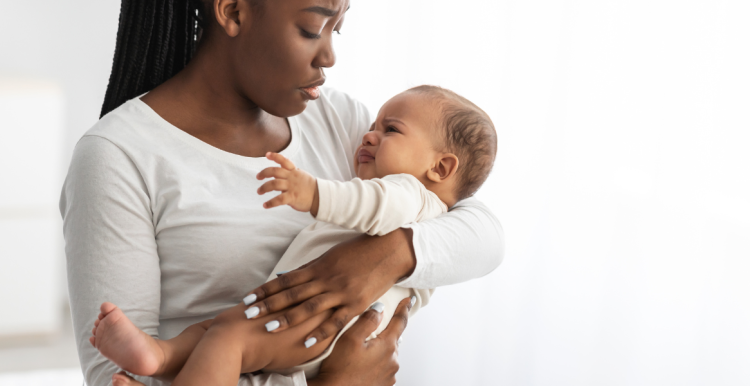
(298, 189)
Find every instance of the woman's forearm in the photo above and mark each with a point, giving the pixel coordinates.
(463, 244)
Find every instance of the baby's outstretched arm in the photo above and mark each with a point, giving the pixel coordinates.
(298, 189)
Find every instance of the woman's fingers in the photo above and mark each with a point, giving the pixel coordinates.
(398, 323)
(367, 323)
(274, 185)
(273, 172)
(281, 283)
(330, 327)
(281, 160)
(308, 291)
(309, 309)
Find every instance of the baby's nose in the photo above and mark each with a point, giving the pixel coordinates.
(370, 139)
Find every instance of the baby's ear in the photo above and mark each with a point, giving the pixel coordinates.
(445, 167)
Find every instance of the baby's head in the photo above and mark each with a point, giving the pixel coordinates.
(434, 134)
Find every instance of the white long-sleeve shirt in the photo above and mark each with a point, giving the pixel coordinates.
(172, 230)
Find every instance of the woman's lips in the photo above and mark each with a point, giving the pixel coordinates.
(364, 156)
(312, 93)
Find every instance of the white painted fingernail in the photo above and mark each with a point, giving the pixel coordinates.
(399, 341)
(413, 300)
(252, 312)
(281, 273)
(310, 342)
(378, 307)
(250, 299)
(272, 325)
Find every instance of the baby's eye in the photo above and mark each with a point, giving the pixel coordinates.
(391, 129)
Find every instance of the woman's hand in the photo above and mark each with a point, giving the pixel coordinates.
(347, 278)
(355, 362)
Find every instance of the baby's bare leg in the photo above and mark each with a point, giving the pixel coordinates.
(118, 339)
(178, 349)
(234, 345)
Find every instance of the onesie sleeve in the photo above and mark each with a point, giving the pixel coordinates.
(377, 206)
(463, 244)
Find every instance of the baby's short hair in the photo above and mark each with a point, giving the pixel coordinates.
(468, 133)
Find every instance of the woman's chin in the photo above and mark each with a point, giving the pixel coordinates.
(288, 109)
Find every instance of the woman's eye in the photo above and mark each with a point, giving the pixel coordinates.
(309, 35)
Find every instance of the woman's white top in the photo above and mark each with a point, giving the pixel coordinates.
(172, 230)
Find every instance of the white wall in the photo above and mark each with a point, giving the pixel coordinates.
(621, 179)
(621, 182)
(69, 45)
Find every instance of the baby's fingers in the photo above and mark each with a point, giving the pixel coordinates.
(273, 172)
(281, 160)
(274, 185)
(281, 199)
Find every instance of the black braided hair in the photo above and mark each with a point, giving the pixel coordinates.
(155, 40)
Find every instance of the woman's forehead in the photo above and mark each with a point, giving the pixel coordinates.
(327, 8)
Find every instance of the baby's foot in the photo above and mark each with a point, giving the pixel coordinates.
(122, 379)
(118, 339)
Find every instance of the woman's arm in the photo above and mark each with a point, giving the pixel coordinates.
(463, 244)
(110, 247)
(112, 253)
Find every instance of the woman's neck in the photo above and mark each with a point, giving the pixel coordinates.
(202, 101)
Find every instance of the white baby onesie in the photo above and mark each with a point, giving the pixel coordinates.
(348, 209)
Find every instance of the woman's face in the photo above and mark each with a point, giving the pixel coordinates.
(279, 54)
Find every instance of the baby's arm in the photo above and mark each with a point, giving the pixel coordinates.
(375, 207)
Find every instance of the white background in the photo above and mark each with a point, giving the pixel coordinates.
(622, 177)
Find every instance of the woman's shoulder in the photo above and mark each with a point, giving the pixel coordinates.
(342, 115)
(130, 127)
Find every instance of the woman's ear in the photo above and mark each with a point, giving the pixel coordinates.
(444, 168)
(230, 14)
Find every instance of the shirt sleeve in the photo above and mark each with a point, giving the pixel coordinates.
(109, 246)
(112, 254)
(377, 206)
(463, 244)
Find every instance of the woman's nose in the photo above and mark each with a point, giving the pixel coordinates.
(370, 139)
(326, 57)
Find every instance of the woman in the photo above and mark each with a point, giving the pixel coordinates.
(161, 215)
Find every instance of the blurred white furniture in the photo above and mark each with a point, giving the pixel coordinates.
(31, 259)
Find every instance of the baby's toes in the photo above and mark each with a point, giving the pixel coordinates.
(96, 322)
(93, 341)
(121, 379)
(106, 308)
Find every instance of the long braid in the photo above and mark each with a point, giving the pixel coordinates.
(155, 40)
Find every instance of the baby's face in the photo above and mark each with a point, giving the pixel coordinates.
(400, 140)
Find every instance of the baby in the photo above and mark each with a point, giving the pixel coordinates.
(428, 149)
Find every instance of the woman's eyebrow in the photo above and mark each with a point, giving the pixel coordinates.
(322, 11)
